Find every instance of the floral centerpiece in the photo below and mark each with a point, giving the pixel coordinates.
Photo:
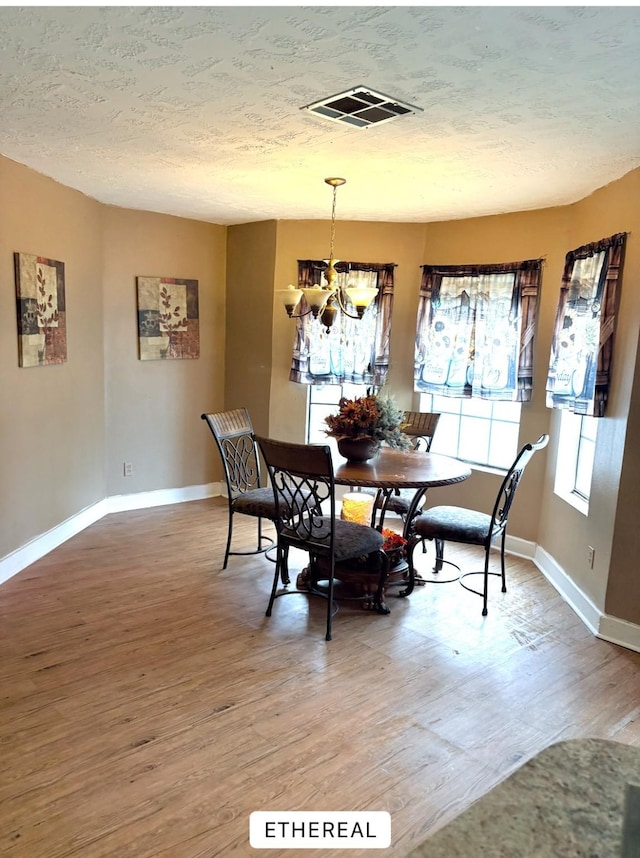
(370, 419)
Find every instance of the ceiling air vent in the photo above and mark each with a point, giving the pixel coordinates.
(361, 107)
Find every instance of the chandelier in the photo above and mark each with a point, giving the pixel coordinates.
(325, 301)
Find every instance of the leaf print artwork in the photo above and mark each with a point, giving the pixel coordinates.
(40, 294)
(168, 323)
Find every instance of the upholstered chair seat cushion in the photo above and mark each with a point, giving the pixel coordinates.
(257, 502)
(351, 539)
(401, 502)
(453, 523)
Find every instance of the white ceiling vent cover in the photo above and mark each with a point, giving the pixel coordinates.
(361, 107)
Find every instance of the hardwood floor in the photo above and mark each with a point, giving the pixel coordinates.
(148, 706)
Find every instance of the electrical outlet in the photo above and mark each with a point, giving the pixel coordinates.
(128, 469)
(591, 556)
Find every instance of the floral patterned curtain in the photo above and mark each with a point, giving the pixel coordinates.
(355, 350)
(582, 345)
(475, 330)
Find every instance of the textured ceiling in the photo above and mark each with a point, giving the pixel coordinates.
(195, 111)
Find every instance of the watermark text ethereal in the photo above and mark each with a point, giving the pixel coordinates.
(330, 829)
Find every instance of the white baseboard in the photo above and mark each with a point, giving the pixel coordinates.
(162, 497)
(611, 629)
(46, 542)
(568, 589)
(520, 547)
(619, 632)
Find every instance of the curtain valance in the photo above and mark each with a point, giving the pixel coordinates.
(583, 336)
(475, 330)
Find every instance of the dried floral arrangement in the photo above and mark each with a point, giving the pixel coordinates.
(370, 416)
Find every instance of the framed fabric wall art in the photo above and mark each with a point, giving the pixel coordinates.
(168, 319)
(42, 327)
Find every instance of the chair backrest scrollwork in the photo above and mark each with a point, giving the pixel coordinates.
(302, 478)
(233, 434)
(510, 484)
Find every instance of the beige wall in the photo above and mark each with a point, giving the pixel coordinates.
(564, 532)
(623, 588)
(153, 408)
(66, 430)
(251, 251)
(538, 514)
(52, 418)
(529, 235)
(613, 505)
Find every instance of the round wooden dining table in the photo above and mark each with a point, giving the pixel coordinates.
(400, 469)
(393, 469)
(389, 471)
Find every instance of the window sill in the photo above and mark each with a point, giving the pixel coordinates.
(487, 469)
(574, 500)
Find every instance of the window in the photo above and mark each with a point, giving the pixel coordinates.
(479, 431)
(576, 451)
(585, 457)
(474, 356)
(323, 400)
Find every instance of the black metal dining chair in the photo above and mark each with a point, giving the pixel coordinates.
(233, 434)
(472, 527)
(420, 426)
(304, 494)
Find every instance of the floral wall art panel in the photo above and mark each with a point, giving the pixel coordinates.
(168, 319)
(42, 327)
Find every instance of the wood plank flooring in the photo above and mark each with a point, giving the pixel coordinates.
(147, 706)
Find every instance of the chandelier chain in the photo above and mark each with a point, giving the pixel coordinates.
(333, 222)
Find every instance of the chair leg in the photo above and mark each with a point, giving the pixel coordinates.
(284, 567)
(485, 591)
(439, 554)
(504, 577)
(229, 533)
(280, 559)
(330, 601)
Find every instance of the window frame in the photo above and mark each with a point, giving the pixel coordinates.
(573, 446)
(314, 428)
(447, 406)
(315, 402)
